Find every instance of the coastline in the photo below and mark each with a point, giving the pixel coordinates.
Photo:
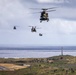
(34, 53)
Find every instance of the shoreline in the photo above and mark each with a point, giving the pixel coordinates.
(33, 53)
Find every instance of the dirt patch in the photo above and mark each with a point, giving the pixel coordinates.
(11, 67)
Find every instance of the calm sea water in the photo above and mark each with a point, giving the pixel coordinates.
(33, 53)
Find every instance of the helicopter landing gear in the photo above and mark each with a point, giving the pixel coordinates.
(40, 21)
(44, 19)
(47, 20)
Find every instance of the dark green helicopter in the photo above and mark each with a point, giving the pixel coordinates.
(44, 13)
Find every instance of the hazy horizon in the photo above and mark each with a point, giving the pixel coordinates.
(37, 47)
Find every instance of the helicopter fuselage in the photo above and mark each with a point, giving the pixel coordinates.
(33, 29)
(44, 16)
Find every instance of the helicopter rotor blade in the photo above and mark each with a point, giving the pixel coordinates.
(50, 10)
(42, 8)
(35, 12)
(38, 28)
(35, 8)
(46, 11)
(31, 26)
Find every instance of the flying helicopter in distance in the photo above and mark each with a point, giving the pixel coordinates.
(40, 34)
(14, 27)
(44, 13)
(34, 28)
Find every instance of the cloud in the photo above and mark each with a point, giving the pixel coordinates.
(59, 26)
(12, 12)
(52, 1)
(15, 12)
(43, 1)
(64, 26)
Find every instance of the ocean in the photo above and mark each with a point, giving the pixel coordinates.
(34, 53)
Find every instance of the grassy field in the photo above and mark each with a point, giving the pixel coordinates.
(57, 65)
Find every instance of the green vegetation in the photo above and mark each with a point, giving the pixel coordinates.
(57, 65)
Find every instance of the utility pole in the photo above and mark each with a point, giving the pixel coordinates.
(62, 51)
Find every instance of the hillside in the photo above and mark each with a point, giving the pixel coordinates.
(58, 65)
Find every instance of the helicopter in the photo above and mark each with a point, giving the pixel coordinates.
(14, 27)
(40, 34)
(33, 28)
(44, 13)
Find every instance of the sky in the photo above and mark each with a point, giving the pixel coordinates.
(59, 31)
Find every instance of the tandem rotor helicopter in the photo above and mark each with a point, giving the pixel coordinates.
(34, 29)
(44, 13)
